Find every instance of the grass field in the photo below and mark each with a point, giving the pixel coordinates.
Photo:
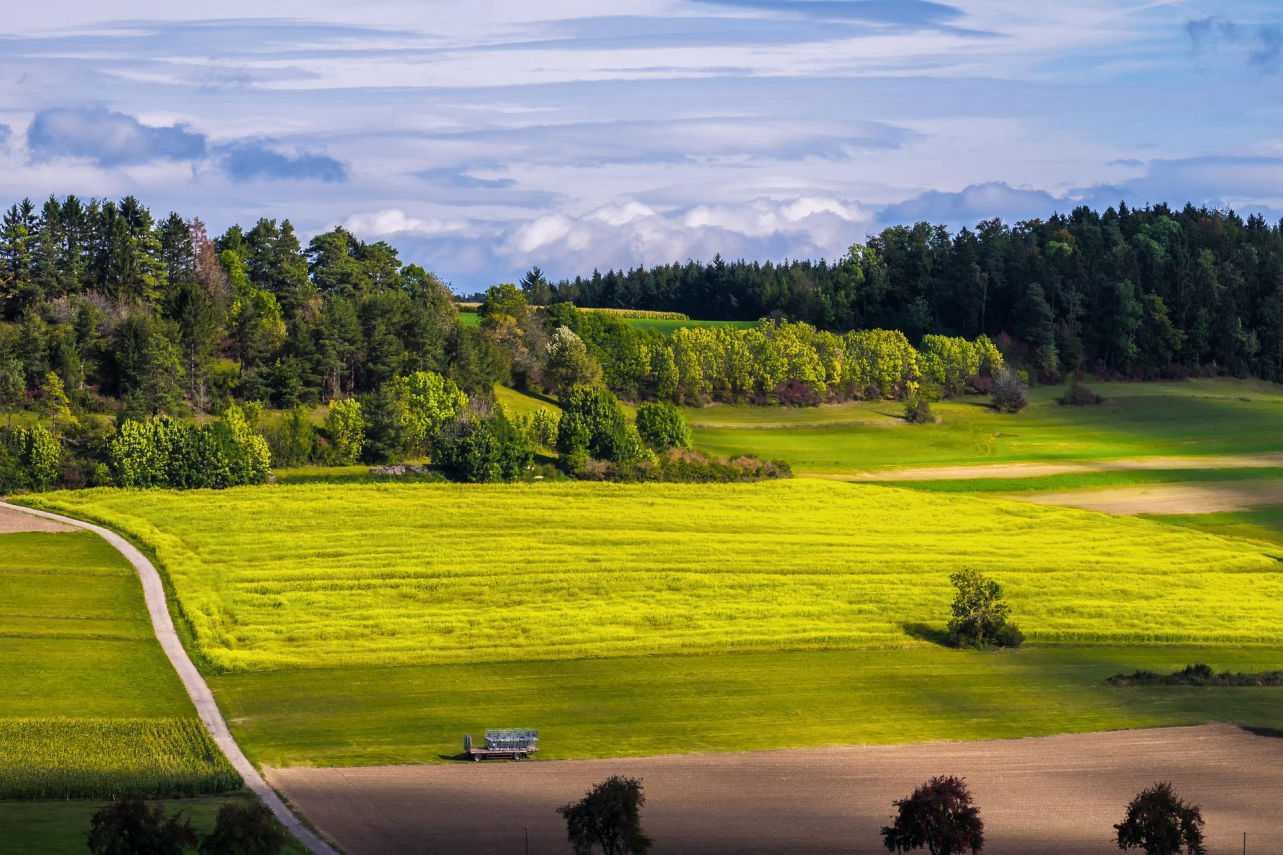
(739, 702)
(1137, 420)
(59, 828)
(90, 705)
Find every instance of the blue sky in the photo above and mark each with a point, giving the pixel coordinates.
(483, 137)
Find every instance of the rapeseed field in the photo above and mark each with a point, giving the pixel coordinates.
(321, 575)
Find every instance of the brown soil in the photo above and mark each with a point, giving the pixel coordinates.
(1034, 470)
(1059, 794)
(12, 521)
(1165, 498)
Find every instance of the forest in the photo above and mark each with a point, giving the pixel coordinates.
(1138, 293)
(150, 327)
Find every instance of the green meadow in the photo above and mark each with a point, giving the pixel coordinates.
(1137, 420)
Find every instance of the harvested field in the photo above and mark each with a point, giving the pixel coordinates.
(1071, 467)
(13, 522)
(1058, 794)
(1204, 498)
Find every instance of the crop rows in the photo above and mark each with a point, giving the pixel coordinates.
(104, 758)
(396, 574)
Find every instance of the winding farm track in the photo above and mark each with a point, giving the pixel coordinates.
(197, 689)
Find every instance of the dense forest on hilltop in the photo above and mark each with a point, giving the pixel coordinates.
(1135, 292)
(122, 334)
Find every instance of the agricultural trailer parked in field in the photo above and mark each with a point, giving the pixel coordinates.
(503, 744)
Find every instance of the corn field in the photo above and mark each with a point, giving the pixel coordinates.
(104, 758)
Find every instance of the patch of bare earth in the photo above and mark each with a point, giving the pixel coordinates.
(1068, 467)
(12, 522)
(1209, 498)
(1058, 794)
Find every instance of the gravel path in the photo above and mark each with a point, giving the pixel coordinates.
(1068, 467)
(1058, 794)
(202, 698)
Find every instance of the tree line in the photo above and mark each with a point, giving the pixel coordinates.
(1144, 293)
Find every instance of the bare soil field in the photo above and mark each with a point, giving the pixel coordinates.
(13, 522)
(1058, 794)
(1069, 467)
(1202, 498)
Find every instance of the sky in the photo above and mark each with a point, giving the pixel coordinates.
(482, 137)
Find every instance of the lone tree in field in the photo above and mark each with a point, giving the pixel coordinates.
(939, 817)
(1159, 823)
(609, 816)
(980, 617)
(244, 829)
(131, 827)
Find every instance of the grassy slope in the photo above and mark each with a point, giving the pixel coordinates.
(430, 574)
(1137, 420)
(59, 828)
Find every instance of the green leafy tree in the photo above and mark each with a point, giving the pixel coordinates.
(593, 423)
(41, 457)
(609, 818)
(345, 429)
(427, 402)
(131, 827)
(1159, 823)
(663, 426)
(543, 428)
(54, 404)
(940, 816)
(244, 829)
(980, 617)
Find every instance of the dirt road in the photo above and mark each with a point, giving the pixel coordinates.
(1057, 794)
(1203, 498)
(13, 522)
(1068, 467)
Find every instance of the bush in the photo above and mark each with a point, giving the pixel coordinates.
(663, 426)
(980, 617)
(131, 826)
(593, 422)
(1008, 392)
(1079, 395)
(248, 829)
(542, 428)
(163, 452)
(484, 449)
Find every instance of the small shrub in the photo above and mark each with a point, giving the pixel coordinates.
(917, 411)
(795, 393)
(1008, 392)
(1079, 395)
(131, 826)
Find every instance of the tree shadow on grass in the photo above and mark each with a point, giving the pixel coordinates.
(925, 632)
